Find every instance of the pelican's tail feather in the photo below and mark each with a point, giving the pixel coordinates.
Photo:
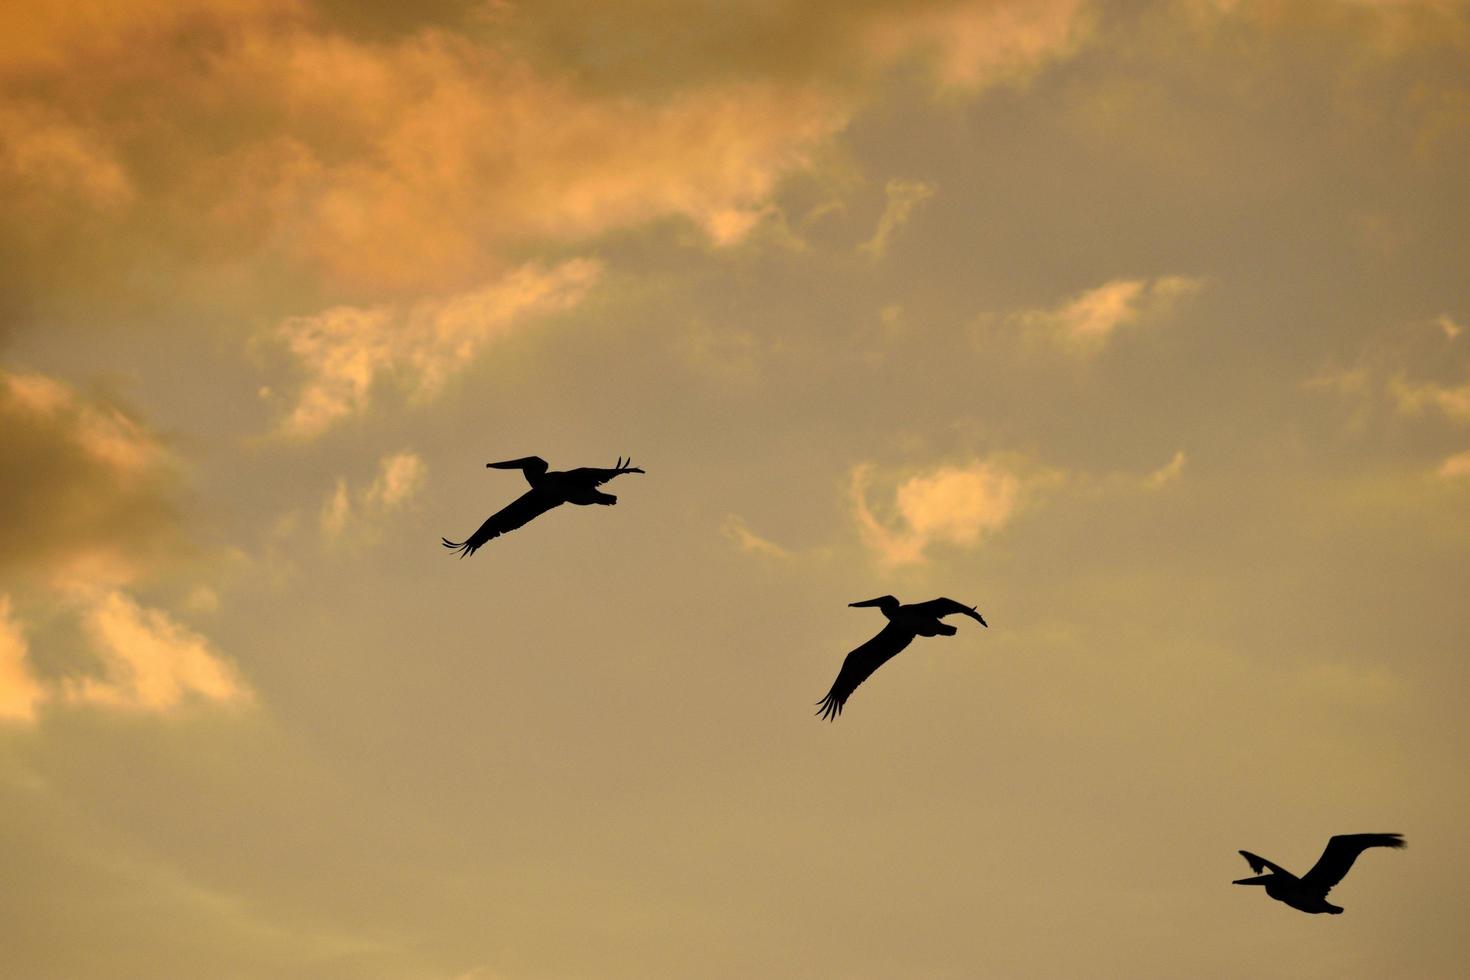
(463, 547)
(831, 706)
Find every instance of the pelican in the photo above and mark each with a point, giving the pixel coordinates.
(904, 623)
(548, 490)
(1309, 892)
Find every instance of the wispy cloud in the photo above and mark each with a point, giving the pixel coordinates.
(736, 531)
(1415, 397)
(903, 197)
(399, 479)
(1456, 467)
(1169, 472)
(20, 692)
(150, 662)
(1086, 323)
(973, 46)
(957, 505)
(345, 351)
(97, 494)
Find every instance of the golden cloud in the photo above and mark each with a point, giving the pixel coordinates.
(1456, 467)
(150, 662)
(953, 505)
(345, 351)
(1085, 323)
(20, 692)
(256, 136)
(903, 196)
(399, 479)
(95, 496)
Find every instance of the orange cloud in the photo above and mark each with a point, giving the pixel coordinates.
(736, 531)
(151, 663)
(95, 496)
(1167, 473)
(1413, 397)
(344, 352)
(1456, 467)
(903, 196)
(975, 45)
(400, 477)
(20, 692)
(1085, 324)
(954, 505)
(262, 135)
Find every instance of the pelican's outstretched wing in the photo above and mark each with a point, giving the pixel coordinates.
(1259, 864)
(939, 608)
(598, 477)
(1341, 852)
(526, 507)
(859, 666)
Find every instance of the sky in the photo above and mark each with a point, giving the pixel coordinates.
(1145, 327)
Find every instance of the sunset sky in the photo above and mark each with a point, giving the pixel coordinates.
(1145, 327)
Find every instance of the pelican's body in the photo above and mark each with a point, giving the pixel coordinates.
(549, 488)
(904, 623)
(1309, 892)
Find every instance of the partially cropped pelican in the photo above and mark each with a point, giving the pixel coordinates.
(548, 490)
(1309, 892)
(904, 623)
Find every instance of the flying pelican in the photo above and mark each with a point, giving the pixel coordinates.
(548, 490)
(1309, 892)
(904, 623)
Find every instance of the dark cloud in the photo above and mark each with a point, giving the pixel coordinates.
(86, 490)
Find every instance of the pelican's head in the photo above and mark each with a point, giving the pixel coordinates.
(882, 602)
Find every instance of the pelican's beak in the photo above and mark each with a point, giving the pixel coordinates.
(1251, 881)
(509, 464)
(867, 602)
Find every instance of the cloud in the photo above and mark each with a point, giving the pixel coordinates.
(1413, 366)
(972, 46)
(345, 351)
(736, 531)
(1085, 324)
(91, 509)
(953, 505)
(92, 491)
(400, 477)
(146, 663)
(20, 692)
(903, 197)
(1414, 397)
(150, 662)
(1167, 473)
(1456, 467)
(241, 141)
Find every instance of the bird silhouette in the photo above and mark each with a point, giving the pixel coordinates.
(1309, 892)
(904, 623)
(548, 490)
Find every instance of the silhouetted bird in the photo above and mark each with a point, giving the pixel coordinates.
(548, 490)
(1309, 892)
(904, 623)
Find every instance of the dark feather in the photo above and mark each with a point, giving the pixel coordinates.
(939, 608)
(860, 664)
(1340, 854)
(519, 512)
(598, 476)
(1259, 864)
